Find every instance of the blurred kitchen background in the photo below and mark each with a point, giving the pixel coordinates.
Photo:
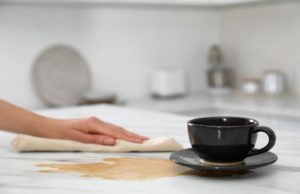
(168, 55)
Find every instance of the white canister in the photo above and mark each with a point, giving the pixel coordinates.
(168, 83)
(274, 82)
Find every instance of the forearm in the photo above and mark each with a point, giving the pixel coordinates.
(19, 120)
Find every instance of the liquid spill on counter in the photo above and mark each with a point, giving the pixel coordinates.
(130, 169)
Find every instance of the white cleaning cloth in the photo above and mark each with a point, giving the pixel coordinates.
(25, 143)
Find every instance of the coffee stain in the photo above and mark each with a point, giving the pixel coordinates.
(122, 168)
(130, 169)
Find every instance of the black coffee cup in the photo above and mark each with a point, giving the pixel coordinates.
(227, 139)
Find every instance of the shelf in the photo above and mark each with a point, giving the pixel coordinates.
(214, 3)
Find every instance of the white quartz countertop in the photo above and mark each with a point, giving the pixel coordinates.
(286, 106)
(18, 173)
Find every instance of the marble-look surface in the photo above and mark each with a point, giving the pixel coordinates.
(19, 175)
(234, 103)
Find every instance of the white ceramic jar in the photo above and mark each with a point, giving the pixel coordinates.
(166, 83)
(251, 86)
(274, 82)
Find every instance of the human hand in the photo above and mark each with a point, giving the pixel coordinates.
(90, 130)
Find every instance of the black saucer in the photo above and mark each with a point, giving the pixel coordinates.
(188, 158)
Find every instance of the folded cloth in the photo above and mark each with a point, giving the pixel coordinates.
(26, 143)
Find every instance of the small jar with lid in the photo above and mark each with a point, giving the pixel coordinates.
(218, 75)
(274, 82)
(251, 86)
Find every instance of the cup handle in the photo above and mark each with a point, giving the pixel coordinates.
(271, 143)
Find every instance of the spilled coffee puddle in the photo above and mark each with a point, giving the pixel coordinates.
(122, 169)
(130, 169)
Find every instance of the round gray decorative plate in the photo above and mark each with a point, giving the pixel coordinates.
(61, 76)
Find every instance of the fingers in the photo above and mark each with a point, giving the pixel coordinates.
(97, 126)
(126, 132)
(135, 135)
(91, 138)
(121, 133)
(93, 125)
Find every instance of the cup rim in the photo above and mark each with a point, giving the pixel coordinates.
(190, 122)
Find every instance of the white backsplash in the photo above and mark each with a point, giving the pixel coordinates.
(125, 44)
(255, 38)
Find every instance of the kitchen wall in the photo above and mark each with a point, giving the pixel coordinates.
(261, 37)
(123, 45)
